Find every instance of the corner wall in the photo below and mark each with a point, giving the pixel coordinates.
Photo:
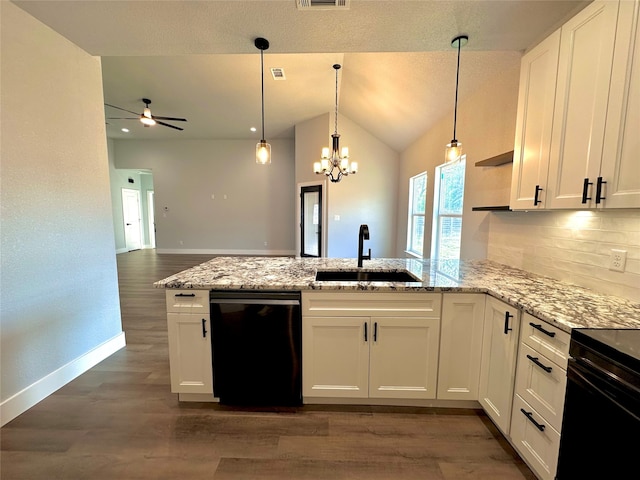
(59, 304)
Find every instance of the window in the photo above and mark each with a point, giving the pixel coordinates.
(415, 224)
(447, 210)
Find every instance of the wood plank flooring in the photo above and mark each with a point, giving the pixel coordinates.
(120, 421)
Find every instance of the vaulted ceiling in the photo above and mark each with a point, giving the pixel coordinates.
(197, 59)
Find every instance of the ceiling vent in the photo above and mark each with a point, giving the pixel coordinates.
(278, 73)
(323, 4)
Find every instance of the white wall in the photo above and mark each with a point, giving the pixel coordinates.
(486, 127)
(572, 246)
(260, 199)
(60, 311)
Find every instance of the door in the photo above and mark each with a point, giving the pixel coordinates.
(131, 215)
(151, 215)
(190, 353)
(311, 221)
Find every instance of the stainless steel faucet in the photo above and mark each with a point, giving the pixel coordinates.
(362, 236)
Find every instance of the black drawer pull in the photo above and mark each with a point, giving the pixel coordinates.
(535, 198)
(185, 294)
(585, 189)
(365, 332)
(507, 315)
(204, 328)
(375, 332)
(599, 196)
(529, 415)
(540, 364)
(538, 326)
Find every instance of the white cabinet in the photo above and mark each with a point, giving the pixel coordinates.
(497, 371)
(189, 330)
(538, 404)
(460, 345)
(538, 73)
(370, 345)
(580, 113)
(620, 165)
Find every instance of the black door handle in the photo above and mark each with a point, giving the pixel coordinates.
(599, 196)
(365, 331)
(185, 295)
(539, 363)
(585, 188)
(375, 332)
(535, 198)
(529, 415)
(507, 315)
(204, 328)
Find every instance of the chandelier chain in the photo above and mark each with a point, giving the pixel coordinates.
(336, 117)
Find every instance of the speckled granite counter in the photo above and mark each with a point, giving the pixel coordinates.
(566, 306)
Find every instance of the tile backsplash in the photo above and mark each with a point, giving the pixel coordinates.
(571, 246)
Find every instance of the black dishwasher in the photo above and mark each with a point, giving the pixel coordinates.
(256, 339)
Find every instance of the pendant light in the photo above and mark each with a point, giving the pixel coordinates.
(453, 151)
(263, 149)
(337, 161)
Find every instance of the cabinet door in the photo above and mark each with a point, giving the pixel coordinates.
(404, 357)
(499, 350)
(538, 73)
(190, 353)
(620, 164)
(584, 71)
(460, 346)
(335, 356)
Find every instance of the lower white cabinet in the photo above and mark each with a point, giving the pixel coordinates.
(498, 368)
(370, 345)
(190, 352)
(460, 345)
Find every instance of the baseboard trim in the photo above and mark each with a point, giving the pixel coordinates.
(39, 390)
(207, 251)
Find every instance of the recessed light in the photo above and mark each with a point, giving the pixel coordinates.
(125, 130)
(253, 129)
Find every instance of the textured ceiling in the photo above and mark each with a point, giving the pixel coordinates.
(196, 59)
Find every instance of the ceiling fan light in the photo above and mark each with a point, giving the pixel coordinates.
(263, 153)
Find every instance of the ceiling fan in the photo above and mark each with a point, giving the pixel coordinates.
(145, 117)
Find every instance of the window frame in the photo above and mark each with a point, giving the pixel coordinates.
(412, 215)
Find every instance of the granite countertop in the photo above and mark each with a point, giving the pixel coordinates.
(563, 305)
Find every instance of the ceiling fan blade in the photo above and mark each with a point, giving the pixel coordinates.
(123, 109)
(170, 118)
(123, 118)
(167, 125)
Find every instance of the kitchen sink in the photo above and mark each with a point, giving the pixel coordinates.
(365, 276)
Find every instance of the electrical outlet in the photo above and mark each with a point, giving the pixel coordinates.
(617, 260)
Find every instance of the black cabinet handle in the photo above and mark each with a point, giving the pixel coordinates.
(538, 326)
(529, 415)
(585, 188)
(539, 363)
(204, 328)
(365, 332)
(375, 332)
(185, 295)
(535, 198)
(507, 316)
(599, 196)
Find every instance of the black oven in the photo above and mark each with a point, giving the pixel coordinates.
(601, 422)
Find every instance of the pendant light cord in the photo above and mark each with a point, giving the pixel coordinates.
(336, 119)
(455, 109)
(262, 77)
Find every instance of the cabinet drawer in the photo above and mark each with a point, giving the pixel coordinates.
(371, 304)
(537, 444)
(542, 384)
(187, 301)
(546, 339)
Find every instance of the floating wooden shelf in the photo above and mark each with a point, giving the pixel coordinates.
(501, 159)
(497, 208)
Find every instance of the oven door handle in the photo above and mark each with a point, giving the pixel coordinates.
(579, 372)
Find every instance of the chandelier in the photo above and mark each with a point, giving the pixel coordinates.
(335, 164)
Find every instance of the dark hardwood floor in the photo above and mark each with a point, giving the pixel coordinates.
(120, 421)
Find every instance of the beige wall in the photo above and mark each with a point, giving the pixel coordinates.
(59, 291)
(486, 127)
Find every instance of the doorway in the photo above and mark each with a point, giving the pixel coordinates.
(311, 221)
(131, 216)
(151, 218)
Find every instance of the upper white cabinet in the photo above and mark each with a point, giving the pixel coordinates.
(538, 73)
(498, 369)
(620, 163)
(576, 132)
